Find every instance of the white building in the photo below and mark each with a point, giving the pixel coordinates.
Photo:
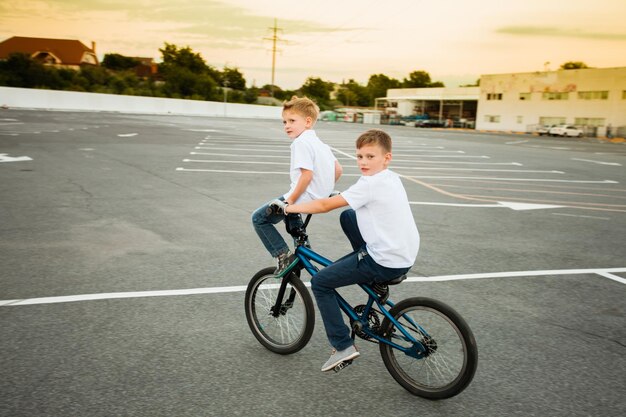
(592, 98)
(440, 103)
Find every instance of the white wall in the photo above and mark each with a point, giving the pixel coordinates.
(71, 100)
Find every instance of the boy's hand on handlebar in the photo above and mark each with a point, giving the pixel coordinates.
(277, 206)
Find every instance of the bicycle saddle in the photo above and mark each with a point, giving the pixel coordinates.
(395, 281)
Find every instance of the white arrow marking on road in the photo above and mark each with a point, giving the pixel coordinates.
(526, 206)
(127, 135)
(598, 162)
(6, 158)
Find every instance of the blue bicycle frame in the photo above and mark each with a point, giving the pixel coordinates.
(305, 256)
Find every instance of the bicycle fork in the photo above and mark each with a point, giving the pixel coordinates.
(279, 308)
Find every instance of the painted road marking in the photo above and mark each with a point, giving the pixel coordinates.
(606, 273)
(585, 217)
(243, 149)
(352, 159)
(237, 155)
(226, 171)
(236, 162)
(516, 179)
(517, 164)
(127, 135)
(237, 145)
(598, 162)
(4, 157)
(500, 204)
(201, 130)
(397, 168)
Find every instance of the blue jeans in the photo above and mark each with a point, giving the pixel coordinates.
(355, 268)
(264, 226)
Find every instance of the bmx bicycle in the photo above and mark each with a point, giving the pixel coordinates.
(426, 346)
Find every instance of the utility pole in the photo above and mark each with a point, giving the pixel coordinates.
(274, 39)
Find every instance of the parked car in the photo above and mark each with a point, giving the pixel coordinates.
(544, 130)
(429, 123)
(565, 130)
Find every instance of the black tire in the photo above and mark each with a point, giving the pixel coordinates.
(448, 367)
(292, 329)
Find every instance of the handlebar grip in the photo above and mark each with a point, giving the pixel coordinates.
(276, 207)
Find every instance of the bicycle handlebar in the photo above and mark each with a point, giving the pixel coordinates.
(277, 206)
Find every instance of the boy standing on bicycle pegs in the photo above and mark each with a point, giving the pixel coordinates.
(381, 230)
(313, 171)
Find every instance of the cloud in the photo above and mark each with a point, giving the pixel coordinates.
(547, 31)
(212, 23)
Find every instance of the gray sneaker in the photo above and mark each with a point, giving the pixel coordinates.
(283, 261)
(340, 356)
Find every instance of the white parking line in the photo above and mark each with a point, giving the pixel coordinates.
(500, 204)
(581, 216)
(243, 149)
(236, 162)
(617, 164)
(514, 179)
(397, 168)
(238, 155)
(607, 273)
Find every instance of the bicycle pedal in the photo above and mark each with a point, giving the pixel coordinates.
(342, 365)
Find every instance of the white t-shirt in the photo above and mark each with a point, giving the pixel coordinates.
(385, 220)
(309, 152)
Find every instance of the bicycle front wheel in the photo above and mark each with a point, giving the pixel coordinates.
(444, 361)
(282, 328)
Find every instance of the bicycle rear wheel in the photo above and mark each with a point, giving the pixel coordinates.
(447, 366)
(291, 328)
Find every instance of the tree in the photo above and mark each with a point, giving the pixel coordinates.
(317, 90)
(420, 79)
(353, 94)
(119, 62)
(186, 75)
(417, 79)
(234, 78)
(573, 65)
(476, 84)
(183, 58)
(20, 70)
(377, 86)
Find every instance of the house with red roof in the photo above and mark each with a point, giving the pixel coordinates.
(64, 53)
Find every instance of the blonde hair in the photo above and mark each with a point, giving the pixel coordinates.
(375, 137)
(303, 106)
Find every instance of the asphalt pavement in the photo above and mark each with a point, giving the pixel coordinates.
(126, 246)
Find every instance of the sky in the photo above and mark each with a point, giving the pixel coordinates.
(454, 41)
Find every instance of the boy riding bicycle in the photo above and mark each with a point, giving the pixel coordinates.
(380, 227)
(313, 171)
